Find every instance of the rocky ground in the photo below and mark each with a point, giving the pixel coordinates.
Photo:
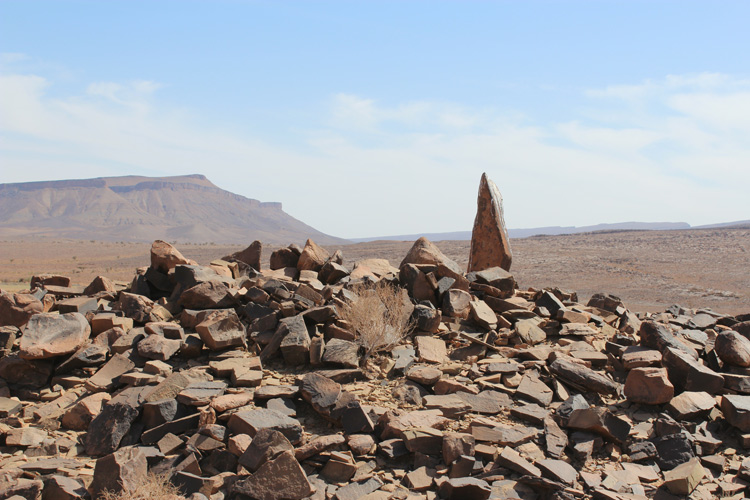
(244, 384)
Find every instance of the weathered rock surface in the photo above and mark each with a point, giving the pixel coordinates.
(490, 245)
(51, 335)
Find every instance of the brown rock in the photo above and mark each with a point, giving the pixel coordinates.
(648, 385)
(689, 405)
(279, 478)
(250, 256)
(601, 421)
(457, 304)
(579, 375)
(511, 459)
(313, 257)
(733, 348)
(318, 445)
(123, 470)
(431, 349)
(283, 258)
(736, 410)
(49, 335)
(490, 246)
(360, 444)
(80, 415)
(689, 374)
(221, 329)
(164, 256)
(684, 478)
(425, 252)
(63, 488)
(100, 284)
(17, 308)
(266, 445)
(425, 375)
(207, 295)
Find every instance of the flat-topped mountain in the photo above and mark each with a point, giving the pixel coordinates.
(185, 208)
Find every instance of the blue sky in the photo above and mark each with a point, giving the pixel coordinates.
(378, 118)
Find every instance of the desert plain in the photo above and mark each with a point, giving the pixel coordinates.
(648, 270)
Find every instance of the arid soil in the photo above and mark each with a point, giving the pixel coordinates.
(649, 270)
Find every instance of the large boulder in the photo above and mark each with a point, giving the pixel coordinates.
(490, 245)
(50, 335)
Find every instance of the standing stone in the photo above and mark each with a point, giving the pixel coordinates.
(48, 335)
(490, 246)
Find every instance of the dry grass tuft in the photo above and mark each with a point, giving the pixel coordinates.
(380, 316)
(154, 487)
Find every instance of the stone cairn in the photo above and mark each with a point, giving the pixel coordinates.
(240, 382)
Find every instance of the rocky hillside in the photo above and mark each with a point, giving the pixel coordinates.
(184, 208)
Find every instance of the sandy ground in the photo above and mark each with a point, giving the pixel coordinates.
(649, 270)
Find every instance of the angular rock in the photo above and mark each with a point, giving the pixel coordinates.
(601, 421)
(684, 478)
(49, 335)
(658, 337)
(580, 376)
(158, 347)
(221, 329)
(250, 255)
(690, 405)
(431, 349)
(121, 471)
(464, 488)
(341, 352)
(207, 295)
(673, 450)
(295, 346)
(490, 245)
(688, 374)
(164, 256)
(80, 415)
(280, 478)
(426, 317)
(63, 488)
(648, 385)
(511, 459)
(107, 429)
(736, 409)
(529, 332)
(17, 308)
(266, 445)
(313, 257)
(457, 304)
(423, 251)
(534, 390)
(251, 421)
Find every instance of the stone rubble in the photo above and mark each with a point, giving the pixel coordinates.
(240, 382)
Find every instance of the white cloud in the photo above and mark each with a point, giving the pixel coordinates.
(671, 149)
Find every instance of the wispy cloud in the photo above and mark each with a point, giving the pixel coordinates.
(669, 149)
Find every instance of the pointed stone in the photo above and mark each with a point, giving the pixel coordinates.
(490, 245)
(425, 252)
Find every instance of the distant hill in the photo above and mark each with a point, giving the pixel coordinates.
(183, 208)
(550, 230)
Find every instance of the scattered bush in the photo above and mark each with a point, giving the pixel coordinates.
(154, 487)
(380, 316)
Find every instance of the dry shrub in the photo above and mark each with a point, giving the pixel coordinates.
(380, 316)
(153, 487)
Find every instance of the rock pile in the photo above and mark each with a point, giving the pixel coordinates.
(238, 382)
